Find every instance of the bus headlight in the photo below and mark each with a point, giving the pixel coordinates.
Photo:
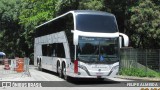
(115, 68)
(82, 67)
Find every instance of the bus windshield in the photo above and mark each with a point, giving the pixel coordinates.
(96, 23)
(98, 50)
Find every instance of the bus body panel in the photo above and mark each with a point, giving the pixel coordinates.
(93, 71)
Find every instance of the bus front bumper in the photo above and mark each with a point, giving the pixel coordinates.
(84, 74)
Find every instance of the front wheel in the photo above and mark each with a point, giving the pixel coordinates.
(39, 66)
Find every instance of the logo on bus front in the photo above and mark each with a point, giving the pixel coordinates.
(96, 66)
(87, 38)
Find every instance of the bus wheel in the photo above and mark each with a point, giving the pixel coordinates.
(64, 72)
(39, 66)
(59, 71)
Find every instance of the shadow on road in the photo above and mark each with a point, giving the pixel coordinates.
(47, 71)
(85, 82)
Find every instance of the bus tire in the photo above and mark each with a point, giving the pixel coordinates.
(64, 72)
(59, 70)
(57, 66)
(39, 65)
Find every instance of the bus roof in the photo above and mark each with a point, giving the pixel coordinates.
(92, 12)
(75, 12)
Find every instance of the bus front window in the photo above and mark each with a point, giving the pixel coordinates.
(98, 50)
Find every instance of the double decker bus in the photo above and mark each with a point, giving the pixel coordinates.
(80, 44)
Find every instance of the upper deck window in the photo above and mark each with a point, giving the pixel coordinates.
(96, 23)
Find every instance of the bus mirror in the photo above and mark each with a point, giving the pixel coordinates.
(125, 39)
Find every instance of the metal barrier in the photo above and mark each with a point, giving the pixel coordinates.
(15, 66)
(140, 58)
(26, 67)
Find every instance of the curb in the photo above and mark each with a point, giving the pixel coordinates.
(138, 78)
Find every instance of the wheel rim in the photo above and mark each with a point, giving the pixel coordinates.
(59, 71)
(39, 66)
(64, 73)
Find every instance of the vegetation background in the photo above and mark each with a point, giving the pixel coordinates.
(139, 19)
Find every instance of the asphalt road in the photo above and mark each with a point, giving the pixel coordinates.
(48, 76)
(51, 79)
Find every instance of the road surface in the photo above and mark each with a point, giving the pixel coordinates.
(50, 80)
(51, 76)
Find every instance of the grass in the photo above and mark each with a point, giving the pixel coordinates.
(139, 72)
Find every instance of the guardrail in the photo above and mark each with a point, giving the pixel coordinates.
(140, 58)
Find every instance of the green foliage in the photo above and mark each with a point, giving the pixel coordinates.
(67, 5)
(63, 6)
(138, 72)
(33, 13)
(145, 25)
(10, 31)
(91, 4)
(9, 9)
(140, 19)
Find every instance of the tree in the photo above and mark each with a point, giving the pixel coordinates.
(34, 13)
(67, 5)
(91, 4)
(10, 30)
(63, 6)
(145, 25)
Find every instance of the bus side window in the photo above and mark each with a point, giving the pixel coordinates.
(44, 50)
(52, 50)
(60, 50)
(53, 54)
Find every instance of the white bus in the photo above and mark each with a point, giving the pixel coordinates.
(80, 44)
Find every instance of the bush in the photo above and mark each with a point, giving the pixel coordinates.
(138, 72)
